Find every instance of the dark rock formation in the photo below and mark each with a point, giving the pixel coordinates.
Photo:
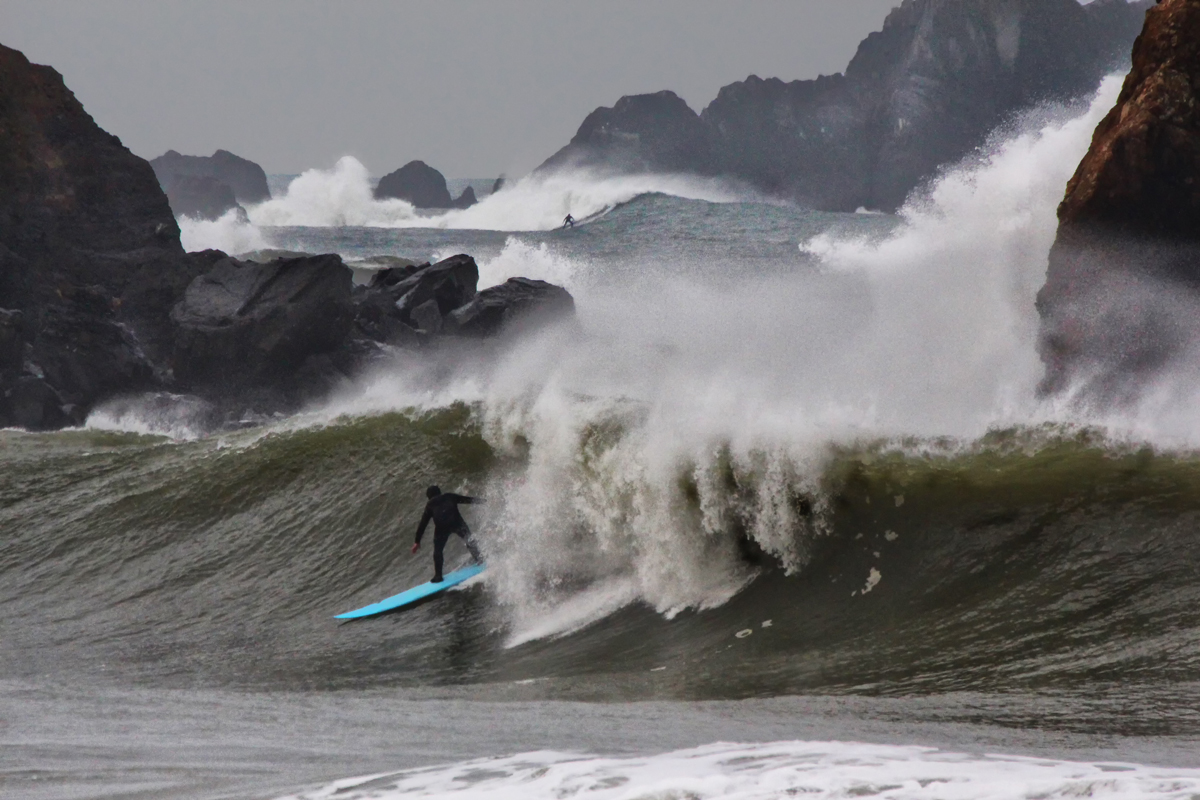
(641, 133)
(200, 197)
(410, 306)
(245, 326)
(416, 182)
(89, 248)
(466, 199)
(246, 179)
(516, 304)
(921, 93)
(98, 301)
(498, 185)
(1121, 293)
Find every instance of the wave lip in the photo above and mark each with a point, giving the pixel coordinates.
(781, 769)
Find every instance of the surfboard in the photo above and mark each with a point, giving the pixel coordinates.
(414, 595)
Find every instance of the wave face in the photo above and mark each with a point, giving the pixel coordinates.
(780, 452)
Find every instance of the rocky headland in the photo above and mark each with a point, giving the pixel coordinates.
(921, 93)
(99, 301)
(206, 187)
(423, 186)
(1122, 292)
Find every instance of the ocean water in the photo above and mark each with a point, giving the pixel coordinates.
(780, 514)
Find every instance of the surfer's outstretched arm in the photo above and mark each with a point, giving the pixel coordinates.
(428, 515)
(463, 499)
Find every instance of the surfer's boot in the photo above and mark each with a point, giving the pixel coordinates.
(436, 579)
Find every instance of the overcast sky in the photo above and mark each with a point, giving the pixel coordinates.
(473, 87)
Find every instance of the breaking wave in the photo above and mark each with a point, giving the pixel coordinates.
(343, 196)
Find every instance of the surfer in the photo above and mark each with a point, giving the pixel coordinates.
(443, 510)
(569, 222)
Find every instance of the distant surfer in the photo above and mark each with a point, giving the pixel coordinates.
(443, 510)
(569, 222)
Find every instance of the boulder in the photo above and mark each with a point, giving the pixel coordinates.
(243, 325)
(498, 185)
(516, 304)
(449, 284)
(246, 179)
(466, 199)
(416, 182)
(201, 197)
(1121, 289)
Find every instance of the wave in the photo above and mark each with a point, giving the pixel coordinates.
(343, 196)
(778, 769)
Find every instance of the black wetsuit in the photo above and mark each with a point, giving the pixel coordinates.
(443, 510)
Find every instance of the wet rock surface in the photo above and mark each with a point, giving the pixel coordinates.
(516, 304)
(244, 324)
(1122, 290)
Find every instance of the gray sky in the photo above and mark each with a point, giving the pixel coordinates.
(473, 87)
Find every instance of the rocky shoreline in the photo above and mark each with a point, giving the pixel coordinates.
(98, 299)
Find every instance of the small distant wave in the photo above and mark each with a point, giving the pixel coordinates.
(780, 769)
(342, 196)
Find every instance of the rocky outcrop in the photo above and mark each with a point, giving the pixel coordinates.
(99, 303)
(416, 182)
(199, 197)
(515, 305)
(921, 93)
(641, 133)
(1123, 285)
(247, 326)
(466, 199)
(413, 306)
(245, 179)
(89, 251)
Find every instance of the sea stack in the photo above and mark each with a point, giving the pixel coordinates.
(416, 182)
(1123, 284)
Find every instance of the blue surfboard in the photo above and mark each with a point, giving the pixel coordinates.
(415, 594)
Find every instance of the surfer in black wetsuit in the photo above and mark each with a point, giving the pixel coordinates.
(443, 510)
(569, 222)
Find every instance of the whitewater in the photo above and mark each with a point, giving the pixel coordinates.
(780, 513)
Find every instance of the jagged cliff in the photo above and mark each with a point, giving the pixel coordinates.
(89, 253)
(922, 92)
(1123, 286)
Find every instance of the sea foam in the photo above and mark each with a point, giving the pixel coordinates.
(769, 771)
